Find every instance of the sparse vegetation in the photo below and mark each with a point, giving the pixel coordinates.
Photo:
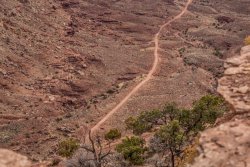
(66, 148)
(133, 149)
(113, 134)
(110, 91)
(92, 154)
(144, 122)
(189, 154)
(218, 53)
(181, 51)
(178, 127)
(175, 135)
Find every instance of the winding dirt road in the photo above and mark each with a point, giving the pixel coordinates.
(150, 73)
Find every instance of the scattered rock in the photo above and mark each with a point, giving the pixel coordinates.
(243, 89)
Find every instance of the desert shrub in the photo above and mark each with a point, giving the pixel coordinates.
(137, 125)
(91, 154)
(66, 148)
(144, 122)
(247, 40)
(113, 134)
(218, 53)
(132, 149)
(212, 107)
(185, 124)
(173, 136)
(181, 51)
(111, 91)
(178, 127)
(205, 112)
(171, 111)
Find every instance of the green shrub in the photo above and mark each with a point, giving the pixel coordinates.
(144, 122)
(66, 148)
(206, 110)
(113, 134)
(171, 110)
(132, 150)
(185, 124)
(178, 128)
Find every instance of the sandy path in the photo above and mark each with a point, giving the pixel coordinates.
(150, 73)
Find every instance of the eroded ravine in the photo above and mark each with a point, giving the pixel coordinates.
(150, 73)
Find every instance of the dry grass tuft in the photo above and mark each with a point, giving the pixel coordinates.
(247, 40)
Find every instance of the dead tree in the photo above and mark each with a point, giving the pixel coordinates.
(92, 154)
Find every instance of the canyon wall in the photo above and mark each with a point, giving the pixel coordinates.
(228, 145)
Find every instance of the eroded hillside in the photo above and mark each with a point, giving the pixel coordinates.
(64, 64)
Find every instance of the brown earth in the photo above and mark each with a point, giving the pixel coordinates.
(66, 63)
(150, 73)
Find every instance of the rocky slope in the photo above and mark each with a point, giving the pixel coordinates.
(64, 64)
(60, 58)
(228, 145)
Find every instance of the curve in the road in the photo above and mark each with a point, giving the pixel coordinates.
(150, 73)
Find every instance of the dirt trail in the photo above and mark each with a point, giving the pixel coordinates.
(150, 73)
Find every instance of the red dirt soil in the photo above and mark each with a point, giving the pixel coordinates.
(150, 73)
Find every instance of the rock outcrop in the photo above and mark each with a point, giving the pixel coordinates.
(11, 159)
(228, 145)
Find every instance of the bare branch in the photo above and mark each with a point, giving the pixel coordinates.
(108, 153)
(95, 152)
(87, 148)
(93, 146)
(100, 147)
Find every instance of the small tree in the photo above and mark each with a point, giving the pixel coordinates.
(205, 112)
(185, 124)
(113, 134)
(93, 154)
(132, 149)
(170, 111)
(173, 136)
(144, 122)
